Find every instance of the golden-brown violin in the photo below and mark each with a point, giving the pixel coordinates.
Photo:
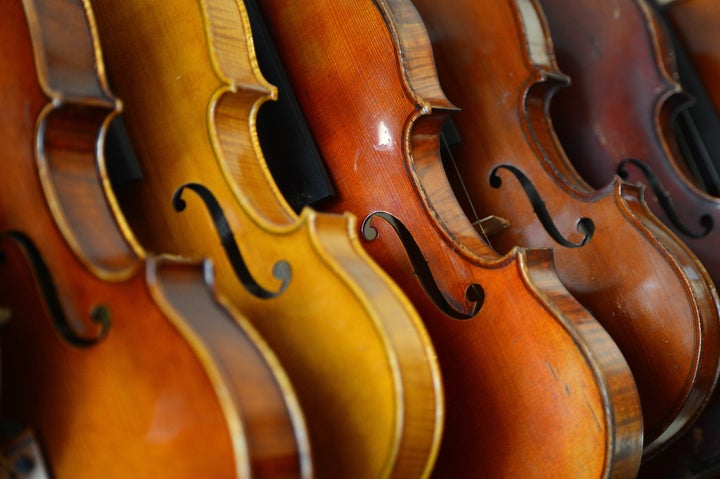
(534, 386)
(496, 62)
(356, 352)
(125, 364)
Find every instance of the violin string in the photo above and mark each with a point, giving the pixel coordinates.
(687, 153)
(476, 218)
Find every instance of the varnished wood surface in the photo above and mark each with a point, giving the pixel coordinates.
(175, 385)
(534, 386)
(356, 352)
(697, 452)
(621, 53)
(496, 63)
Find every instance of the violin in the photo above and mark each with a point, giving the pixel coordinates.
(496, 62)
(534, 385)
(357, 354)
(619, 51)
(124, 363)
(697, 452)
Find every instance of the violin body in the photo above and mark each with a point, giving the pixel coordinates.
(359, 358)
(697, 452)
(124, 364)
(496, 62)
(630, 131)
(534, 386)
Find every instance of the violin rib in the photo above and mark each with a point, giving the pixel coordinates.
(534, 386)
(124, 363)
(358, 356)
(496, 61)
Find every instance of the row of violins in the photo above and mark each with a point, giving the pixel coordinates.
(490, 291)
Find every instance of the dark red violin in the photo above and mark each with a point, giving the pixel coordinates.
(496, 62)
(616, 118)
(693, 25)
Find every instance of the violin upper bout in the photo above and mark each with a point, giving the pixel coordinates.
(233, 112)
(415, 54)
(232, 51)
(69, 67)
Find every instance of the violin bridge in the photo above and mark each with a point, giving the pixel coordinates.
(491, 225)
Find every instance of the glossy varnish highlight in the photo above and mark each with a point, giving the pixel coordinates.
(534, 386)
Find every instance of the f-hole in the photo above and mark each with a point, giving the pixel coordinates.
(473, 293)
(585, 226)
(281, 270)
(99, 314)
(706, 221)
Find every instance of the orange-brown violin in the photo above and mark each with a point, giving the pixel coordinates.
(124, 364)
(534, 386)
(496, 63)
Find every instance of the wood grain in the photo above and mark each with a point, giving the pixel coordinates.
(125, 364)
(357, 354)
(534, 386)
